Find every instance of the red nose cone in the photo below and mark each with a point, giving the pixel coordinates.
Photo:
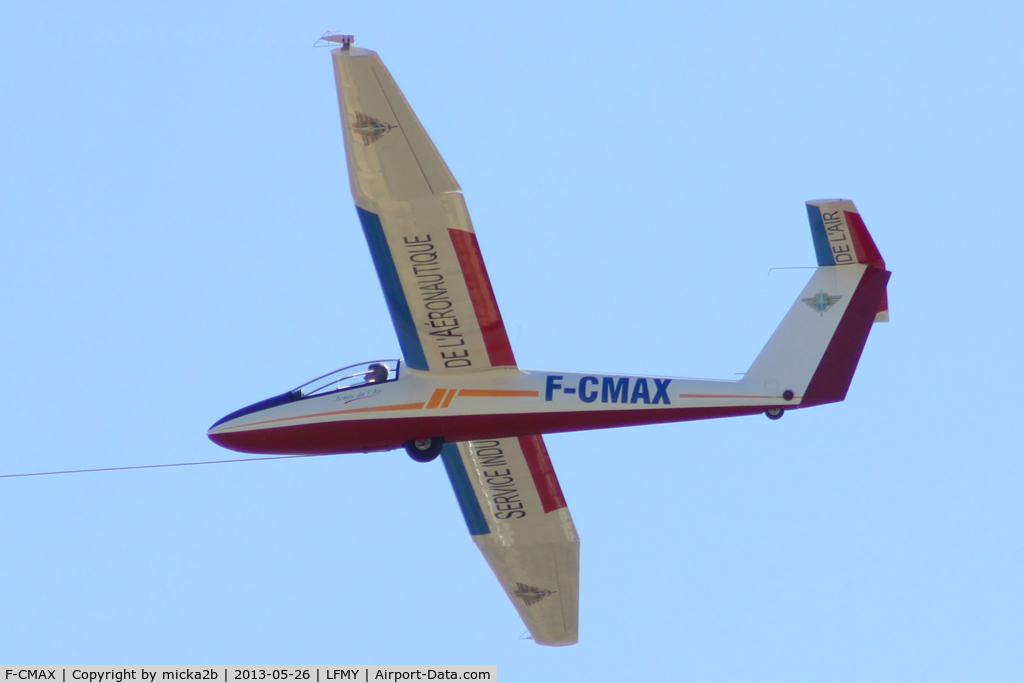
(258, 441)
(226, 441)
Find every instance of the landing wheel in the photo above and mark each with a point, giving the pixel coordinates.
(424, 450)
(774, 413)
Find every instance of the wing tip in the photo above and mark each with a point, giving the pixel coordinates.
(557, 642)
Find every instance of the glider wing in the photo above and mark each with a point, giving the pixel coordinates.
(515, 511)
(417, 226)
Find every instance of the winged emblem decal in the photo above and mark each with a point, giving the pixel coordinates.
(531, 595)
(822, 301)
(370, 129)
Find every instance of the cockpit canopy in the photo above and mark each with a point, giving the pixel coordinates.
(350, 377)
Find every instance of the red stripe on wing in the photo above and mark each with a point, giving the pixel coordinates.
(543, 473)
(499, 351)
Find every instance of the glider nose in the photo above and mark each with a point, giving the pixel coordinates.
(222, 431)
(220, 438)
(223, 437)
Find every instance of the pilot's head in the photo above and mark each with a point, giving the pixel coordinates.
(378, 372)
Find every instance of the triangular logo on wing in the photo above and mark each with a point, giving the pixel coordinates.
(821, 302)
(370, 129)
(531, 595)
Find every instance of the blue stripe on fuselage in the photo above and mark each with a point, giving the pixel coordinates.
(398, 305)
(822, 249)
(468, 502)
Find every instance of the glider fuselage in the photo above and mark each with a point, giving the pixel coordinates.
(377, 416)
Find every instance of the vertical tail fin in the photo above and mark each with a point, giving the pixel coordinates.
(815, 350)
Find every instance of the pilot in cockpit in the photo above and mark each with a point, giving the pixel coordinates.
(378, 372)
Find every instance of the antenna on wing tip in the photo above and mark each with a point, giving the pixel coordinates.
(329, 38)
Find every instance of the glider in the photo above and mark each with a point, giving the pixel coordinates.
(458, 393)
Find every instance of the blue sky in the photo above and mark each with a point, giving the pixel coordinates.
(177, 241)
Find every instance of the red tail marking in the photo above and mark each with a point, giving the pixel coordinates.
(867, 252)
(832, 379)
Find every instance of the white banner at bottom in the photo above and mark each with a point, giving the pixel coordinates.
(246, 674)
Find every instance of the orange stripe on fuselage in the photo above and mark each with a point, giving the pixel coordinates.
(435, 399)
(495, 393)
(401, 406)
